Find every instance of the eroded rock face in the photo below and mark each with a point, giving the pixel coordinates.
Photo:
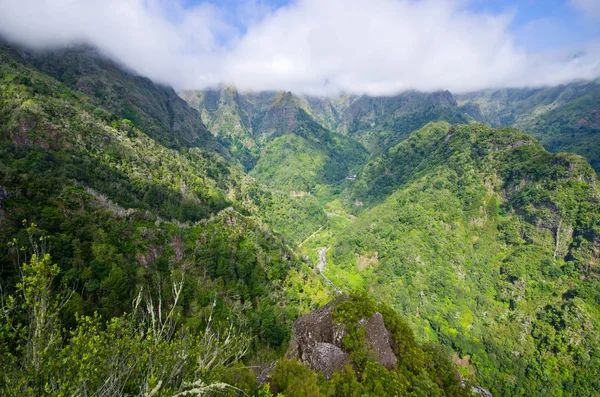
(317, 341)
(327, 358)
(3, 195)
(380, 341)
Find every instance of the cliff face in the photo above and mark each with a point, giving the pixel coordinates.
(317, 341)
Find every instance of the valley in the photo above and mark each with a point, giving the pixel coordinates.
(180, 237)
(471, 233)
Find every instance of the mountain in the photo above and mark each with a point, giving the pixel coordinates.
(119, 97)
(156, 109)
(564, 118)
(106, 213)
(376, 122)
(289, 149)
(482, 239)
(309, 144)
(487, 243)
(381, 122)
(138, 257)
(155, 247)
(307, 159)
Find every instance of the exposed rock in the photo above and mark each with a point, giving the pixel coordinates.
(265, 375)
(3, 195)
(481, 391)
(317, 327)
(326, 358)
(317, 341)
(380, 341)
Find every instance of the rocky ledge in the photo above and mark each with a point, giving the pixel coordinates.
(317, 341)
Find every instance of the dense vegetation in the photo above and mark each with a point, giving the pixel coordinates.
(290, 151)
(486, 243)
(376, 122)
(421, 371)
(155, 109)
(143, 255)
(516, 224)
(308, 162)
(380, 123)
(563, 118)
(120, 218)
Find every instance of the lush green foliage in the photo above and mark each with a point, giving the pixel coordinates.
(381, 122)
(421, 370)
(301, 165)
(290, 150)
(120, 212)
(162, 247)
(486, 243)
(563, 118)
(143, 352)
(155, 109)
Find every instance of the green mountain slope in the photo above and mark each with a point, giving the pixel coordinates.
(224, 113)
(147, 264)
(563, 118)
(120, 210)
(376, 122)
(381, 122)
(302, 155)
(488, 244)
(155, 109)
(277, 137)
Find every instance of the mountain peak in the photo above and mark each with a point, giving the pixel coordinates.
(285, 99)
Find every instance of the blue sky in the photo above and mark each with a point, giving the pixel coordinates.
(544, 24)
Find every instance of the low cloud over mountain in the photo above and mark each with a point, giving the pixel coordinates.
(377, 47)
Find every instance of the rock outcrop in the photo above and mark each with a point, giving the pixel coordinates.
(317, 341)
(3, 195)
(380, 341)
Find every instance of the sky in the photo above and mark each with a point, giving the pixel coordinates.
(326, 47)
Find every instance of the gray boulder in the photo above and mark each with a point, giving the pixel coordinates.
(380, 341)
(317, 341)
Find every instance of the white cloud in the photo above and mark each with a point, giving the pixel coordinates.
(312, 46)
(590, 8)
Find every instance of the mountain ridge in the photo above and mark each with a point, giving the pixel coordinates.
(564, 118)
(484, 243)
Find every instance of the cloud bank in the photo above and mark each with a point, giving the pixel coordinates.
(590, 8)
(377, 47)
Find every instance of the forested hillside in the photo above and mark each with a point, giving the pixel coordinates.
(106, 215)
(139, 258)
(154, 247)
(481, 238)
(278, 138)
(376, 122)
(564, 118)
(488, 244)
